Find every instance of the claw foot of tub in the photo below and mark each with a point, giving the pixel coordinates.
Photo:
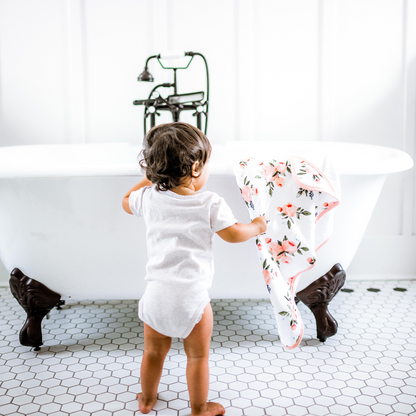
(37, 300)
(317, 297)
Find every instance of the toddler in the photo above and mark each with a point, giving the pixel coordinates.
(180, 222)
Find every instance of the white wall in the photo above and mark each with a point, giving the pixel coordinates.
(340, 70)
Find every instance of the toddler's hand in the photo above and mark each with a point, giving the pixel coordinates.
(261, 222)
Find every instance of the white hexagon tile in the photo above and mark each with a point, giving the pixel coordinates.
(90, 361)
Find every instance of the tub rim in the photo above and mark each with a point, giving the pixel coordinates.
(400, 161)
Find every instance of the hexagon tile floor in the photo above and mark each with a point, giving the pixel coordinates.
(90, 361)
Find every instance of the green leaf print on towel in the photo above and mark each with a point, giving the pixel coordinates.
(306, 168)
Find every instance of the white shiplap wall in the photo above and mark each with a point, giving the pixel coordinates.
(280, 70)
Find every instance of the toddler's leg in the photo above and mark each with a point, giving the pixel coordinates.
(156, 347)
(197, 346)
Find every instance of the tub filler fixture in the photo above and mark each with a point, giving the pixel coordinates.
(64, 235)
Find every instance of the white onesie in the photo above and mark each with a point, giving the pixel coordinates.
(180, 267)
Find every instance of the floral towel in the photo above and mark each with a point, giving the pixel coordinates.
(295, 196)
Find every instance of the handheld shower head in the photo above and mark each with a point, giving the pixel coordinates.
(145, 76)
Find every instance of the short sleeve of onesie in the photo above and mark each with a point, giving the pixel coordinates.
(221, 215)
(136, 201)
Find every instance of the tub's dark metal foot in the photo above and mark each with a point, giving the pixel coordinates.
(37, 300)
(317, 297)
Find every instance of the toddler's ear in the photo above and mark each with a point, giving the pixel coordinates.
(195, 167)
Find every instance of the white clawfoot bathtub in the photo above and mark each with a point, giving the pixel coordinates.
(62, 224)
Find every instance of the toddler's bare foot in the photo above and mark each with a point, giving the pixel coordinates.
(211, 409)
(145, 406)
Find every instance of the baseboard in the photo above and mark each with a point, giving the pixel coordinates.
(384, 258)
(397, 277)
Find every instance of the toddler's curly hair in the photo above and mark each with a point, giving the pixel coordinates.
(170, 150)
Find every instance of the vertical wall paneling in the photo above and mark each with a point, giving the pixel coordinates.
(76, 73)
(33, 61)
(369, 101)
(192, 30)
(237, 81)
(246, 63)
(162, 40)
(160, 21)
(2, 130)
(320, 70)
(286, 72)
(408, 131)
(117, 43)
(327, 45)
(409, 113)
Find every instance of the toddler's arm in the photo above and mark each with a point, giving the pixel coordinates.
(239, 232)
(144, 182)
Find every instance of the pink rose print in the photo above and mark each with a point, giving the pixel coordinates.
(280, 166)
(267, 277)
(259, 246)
(310, 260)
(246, 192)
(279, 181)
(289, 247)
(311, 170)
(293, 327)
(242, 165)
(286, 259)
(267, 240)
(272, 173)
(276, 248)
(268, 172)
(325, 204)
(290, 210)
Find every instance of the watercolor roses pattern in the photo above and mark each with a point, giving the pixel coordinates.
(247, 192)
(289, 211)
(293, 202)
(283, 251)
(273, 173)
(293, 194)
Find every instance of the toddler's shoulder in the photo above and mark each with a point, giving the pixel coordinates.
(209, 196)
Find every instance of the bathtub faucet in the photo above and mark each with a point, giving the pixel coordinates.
(175, 103)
